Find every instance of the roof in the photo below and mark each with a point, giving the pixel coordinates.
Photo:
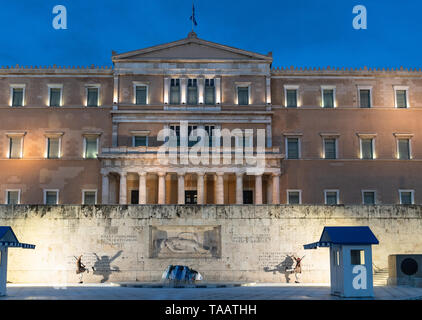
(9, 239)
(345, 236)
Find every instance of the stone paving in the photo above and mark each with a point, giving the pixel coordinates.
(255, 292)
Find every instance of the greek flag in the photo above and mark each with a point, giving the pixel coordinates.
(192, 18)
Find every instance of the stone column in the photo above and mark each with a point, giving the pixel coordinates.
(200, 187)
(217, 90)
(258, 189)
(220, 188)
(166, 93)
(183, 90)
(123, 188)
(276, 188)
(105, 189)
(142, 188)
(161, 188)
(239, 188)
(201, 87)
(180, 188)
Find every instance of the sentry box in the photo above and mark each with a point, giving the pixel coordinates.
(350, 260)
(8, 240)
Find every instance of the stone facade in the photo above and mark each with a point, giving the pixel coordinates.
(224, 243)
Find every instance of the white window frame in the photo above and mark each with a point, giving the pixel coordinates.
(89, 190)
(55, 86)
(84, 145)
(142, 84)
(52, 190)
(399, 88)
(291, 87)
(15, 135)
(407, 190)
(92, 86)
(243, 85)
(334, 96)
(365, 137)
(368, 190)
(13, 190)
(337, 191)
(370, 96)
(294, 190)
(323, 145)
(17, 86)
(53, 135)
(299, 142)
(400, 136)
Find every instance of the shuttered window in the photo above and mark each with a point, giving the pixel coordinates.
(92, 99)
(331, 198)
(141, 95)
(51, 197)
(209, 91)
(53, 148)
(294, 197)
(175, 91)
(140, 141)
(328, 96)
(330, 148)
(55, 97)
(91, 147)
(406, 197)
(192, 92)
(89, 197)
(15, 150)
(369, 197)
(243, 95)
(293, 148)
(401, 97)
(17, 98)
(404, 149)
(367, 149)
(12, 197)
(291, 98)
(365, 98)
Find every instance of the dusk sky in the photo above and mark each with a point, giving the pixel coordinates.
(300, 33)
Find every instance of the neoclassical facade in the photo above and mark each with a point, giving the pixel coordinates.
(72, 135)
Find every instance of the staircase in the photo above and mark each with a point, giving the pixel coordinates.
(380, 277)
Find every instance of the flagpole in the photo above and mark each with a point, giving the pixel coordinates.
(192, 14)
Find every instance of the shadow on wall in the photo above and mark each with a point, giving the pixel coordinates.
(283, 267)
(102, 267)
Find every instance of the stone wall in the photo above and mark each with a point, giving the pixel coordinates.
(224, 243)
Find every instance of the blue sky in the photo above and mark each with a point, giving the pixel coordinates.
(300, 32)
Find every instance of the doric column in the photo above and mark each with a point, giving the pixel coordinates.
(220, 188)
(142, 188)
(180, 188)
(218, 90)
(276, 188)
(123, 188)
(166, 93)
(161, 188)
(200, 188)
(258, 189)
(105, 189)
(239, 188)
(184, 90)
(201, 86)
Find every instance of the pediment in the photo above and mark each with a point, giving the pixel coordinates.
(191, 48)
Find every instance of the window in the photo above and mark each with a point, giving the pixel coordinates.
(242, 96)
(407, 196)
(209, 129)
(401, 96)
(141, 93)
(15, 147)
(53, 148)
(365, 98)
(89, 197)
(91, 147)
(294, 197)
(51, 197)
(92, 99)
(18, 96)
(192, 92)
(191, 197)
(13, 196)
(247, 197)
(290, 94)
(292, 148)
(357, 257)
(328, 96)
(367, 148)
(368, 197)
(175, 91)
(403, 149)
(331, 197)
(140, 141)
(209, 91)
(192, 135)
(330, 148)
(55, 96)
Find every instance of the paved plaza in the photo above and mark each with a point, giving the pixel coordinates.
(251, 292)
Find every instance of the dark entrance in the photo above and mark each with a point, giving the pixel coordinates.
(134, 199)
(247, 197)
(191, 197)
